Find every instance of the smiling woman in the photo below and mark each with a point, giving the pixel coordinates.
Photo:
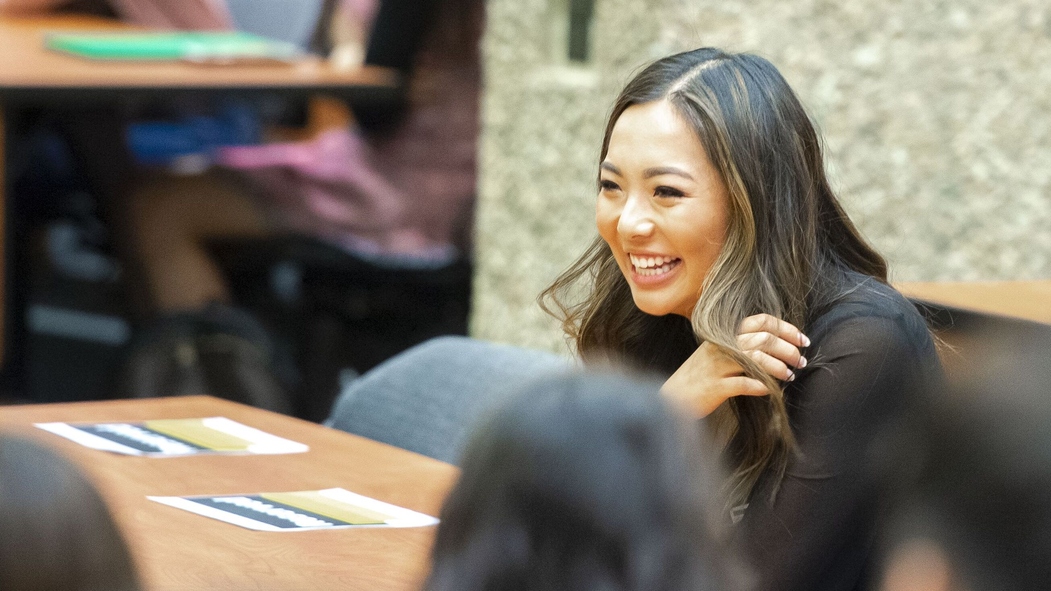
(725, 265)
(723, 256)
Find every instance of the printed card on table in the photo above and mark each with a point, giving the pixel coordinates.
(175, 437)
(332, 508)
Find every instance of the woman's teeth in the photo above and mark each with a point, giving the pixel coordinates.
(652, 265)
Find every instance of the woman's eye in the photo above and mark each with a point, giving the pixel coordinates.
(608, 186)
(665, 191)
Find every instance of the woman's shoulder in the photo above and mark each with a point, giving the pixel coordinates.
(871, 307)
(871, 355)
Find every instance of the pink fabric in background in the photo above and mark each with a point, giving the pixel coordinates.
(407, 193)
(171, 14)
(165, 14)
(363, 10)
(328, 187)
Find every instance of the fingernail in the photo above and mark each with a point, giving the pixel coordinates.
(802, 362)
(791, 376)
(805, 340)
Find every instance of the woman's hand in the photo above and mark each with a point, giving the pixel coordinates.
(709, 377)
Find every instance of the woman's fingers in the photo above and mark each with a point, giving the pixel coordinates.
(702, 401)
(774, 346)
(775, 338)
(775, 326)
(772, 365)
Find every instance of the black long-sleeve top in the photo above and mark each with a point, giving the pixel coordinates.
(871, 361)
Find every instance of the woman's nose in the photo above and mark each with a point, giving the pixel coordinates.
(636, 220)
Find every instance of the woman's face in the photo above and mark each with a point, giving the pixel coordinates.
(662, 208)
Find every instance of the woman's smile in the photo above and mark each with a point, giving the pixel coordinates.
(653, 270)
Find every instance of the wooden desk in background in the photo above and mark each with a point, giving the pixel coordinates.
(1030, 300)
(177, 550)
(31, 76)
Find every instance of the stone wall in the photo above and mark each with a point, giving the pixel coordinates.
(936, 116)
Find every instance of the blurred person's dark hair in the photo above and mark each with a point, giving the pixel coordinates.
(978, 513)
(584, 482)
(56, 533)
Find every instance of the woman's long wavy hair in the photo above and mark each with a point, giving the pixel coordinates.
(787, 245)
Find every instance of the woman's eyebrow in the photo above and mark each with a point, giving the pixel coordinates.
(662, 170)
(650, 172)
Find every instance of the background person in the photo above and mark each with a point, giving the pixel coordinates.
(394, 191)
(389, 190)
(584, 482)
(398, 192)
(56, 533)
(977, 515)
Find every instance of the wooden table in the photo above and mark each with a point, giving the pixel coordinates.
(177, 550)
(32, 76)
(1030, 300)
(29, 71)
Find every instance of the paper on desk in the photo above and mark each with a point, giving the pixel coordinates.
(332, 508)
(175, 437)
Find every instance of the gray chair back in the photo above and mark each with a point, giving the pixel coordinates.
(428, 399)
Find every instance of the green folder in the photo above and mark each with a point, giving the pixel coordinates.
(169, 46)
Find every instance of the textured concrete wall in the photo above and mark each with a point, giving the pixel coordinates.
(936, 116)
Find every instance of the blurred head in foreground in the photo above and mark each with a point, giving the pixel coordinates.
(583, 482)
(979, 517)
(55, 531)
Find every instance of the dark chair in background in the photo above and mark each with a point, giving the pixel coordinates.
(338, 315)
(969, 339)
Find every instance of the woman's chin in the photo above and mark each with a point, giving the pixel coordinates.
(648, 305)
